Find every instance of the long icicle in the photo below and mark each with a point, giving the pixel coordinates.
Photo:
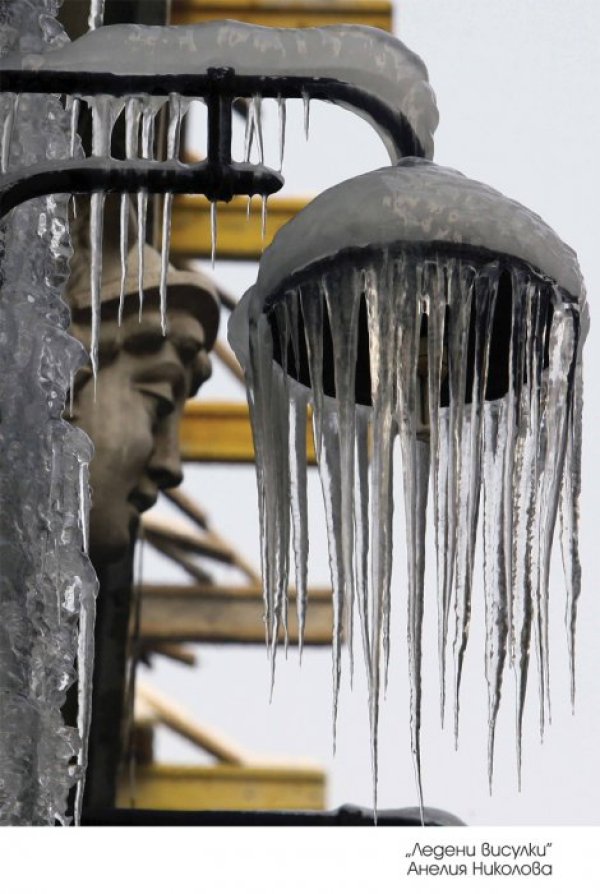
(101, 138)
(298, 503)
(132, 127)
(562, 344)
(524, 499)
(12, 101)
(361, 528)
(147, 144)
(331, 484)
(494, 568)
(433, 294)
(569, 521)
(96, 16)
(484, 291)
(342, 296)
(380, 295)
(282, 115)
(415, 474)
(458, 331)
(172, 146)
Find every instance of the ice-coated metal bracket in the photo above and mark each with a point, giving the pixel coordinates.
(78, 71)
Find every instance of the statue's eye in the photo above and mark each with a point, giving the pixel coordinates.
(161, 395)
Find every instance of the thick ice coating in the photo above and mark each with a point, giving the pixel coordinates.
(360, 56)
(469, 336)
(416, 201)
(47, 583)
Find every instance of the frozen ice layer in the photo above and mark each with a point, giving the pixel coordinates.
(47, 584)
(416, 201)
(439, 314)
(360, 56)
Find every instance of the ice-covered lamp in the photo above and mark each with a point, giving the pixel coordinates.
(412, 302)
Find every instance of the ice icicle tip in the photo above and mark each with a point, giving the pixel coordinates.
(96, 14)
(263, 218)
(213, 233)
(306, 110)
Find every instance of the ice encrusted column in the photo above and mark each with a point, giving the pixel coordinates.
(47, 584)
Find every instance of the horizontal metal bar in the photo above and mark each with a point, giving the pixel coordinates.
(347, 815)
(221, 82)
(216, 182)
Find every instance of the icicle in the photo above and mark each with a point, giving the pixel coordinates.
(312, 313)
(450, 438)
(7, 129)
(249, 130)
(85, 648)
(282, 113)
(258, 128)
(147, 144)
(306, 106)
(380, 288)
(104, 112)
(298, 503)
(96, 16)
(258, 380)
(96, 227)
(557, 398)
(483, 291)
(213, 233)
(172, 147)
(283, 456)
(331, 483)
(269, 405)
(71, 393)
(415, 473)
(132, 127)
(432, 291)
(263, 217)
(75, 108)
(569, 520)
(123, 250)
(524, 492)
(342, 296)
(495, 583)
(361, 527)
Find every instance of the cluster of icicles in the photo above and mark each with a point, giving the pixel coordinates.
(512, 460)
(140, 115)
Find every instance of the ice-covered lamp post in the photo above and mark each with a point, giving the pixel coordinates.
(342, 304)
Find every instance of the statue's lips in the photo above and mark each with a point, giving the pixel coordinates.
(142, 500)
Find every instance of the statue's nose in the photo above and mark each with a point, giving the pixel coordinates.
(165, 463)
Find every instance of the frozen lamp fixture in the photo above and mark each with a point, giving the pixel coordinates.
(416, 304)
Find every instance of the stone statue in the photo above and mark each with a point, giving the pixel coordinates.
(143, 382)
(133, 420)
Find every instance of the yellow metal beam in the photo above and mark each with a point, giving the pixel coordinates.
(220, 432)
(165, 787)
(238, 236)
(207, 613)
(296, 14)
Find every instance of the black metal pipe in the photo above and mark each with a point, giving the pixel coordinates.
(218, 182)
(347, 815)
(225, 83)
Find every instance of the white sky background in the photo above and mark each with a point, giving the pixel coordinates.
(517, 86)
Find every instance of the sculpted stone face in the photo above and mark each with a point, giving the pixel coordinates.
(142, 385)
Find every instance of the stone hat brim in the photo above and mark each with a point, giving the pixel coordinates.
(191, 290)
